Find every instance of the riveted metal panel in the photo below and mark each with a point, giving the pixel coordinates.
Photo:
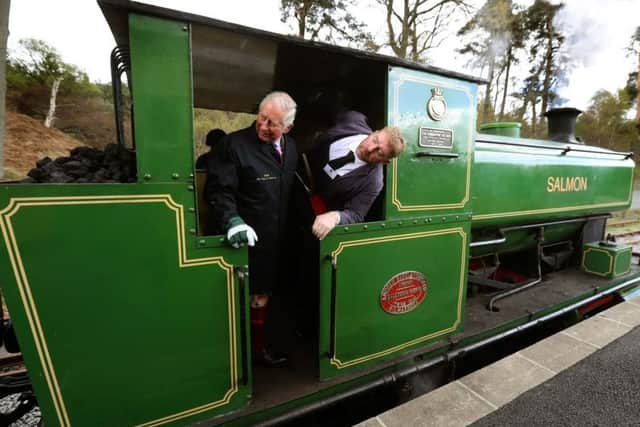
(437, 117)
(107, 299)
(356, 328)
(162, 98)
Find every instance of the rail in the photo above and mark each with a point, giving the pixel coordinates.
(332, 342)
(431, 154)
(243, 324)
(120, 64)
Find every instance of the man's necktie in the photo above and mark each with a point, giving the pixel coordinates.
(341, 161)
(278, 151)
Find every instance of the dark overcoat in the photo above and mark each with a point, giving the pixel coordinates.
(246, 178)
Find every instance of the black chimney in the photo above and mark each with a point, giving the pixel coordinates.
(562, 124)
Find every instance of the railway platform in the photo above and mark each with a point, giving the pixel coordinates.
(583, 375)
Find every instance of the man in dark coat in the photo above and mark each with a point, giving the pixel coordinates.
(248, 185)
(347, 168)
(213, 137)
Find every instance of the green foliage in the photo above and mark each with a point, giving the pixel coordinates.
(84, 110)
(605, 124)
(16, 77)
(40, 62)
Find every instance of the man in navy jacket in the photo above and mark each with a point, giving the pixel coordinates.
(347, 168)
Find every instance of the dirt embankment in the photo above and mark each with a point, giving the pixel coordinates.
(26, 141)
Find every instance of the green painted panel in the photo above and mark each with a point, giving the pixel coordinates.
(365, 262)
(434, 173)
(516, 183)
(606, 261)
(162, 98)
(108, 295)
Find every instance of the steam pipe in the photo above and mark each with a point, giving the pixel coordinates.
(528, 285)
(503, 231)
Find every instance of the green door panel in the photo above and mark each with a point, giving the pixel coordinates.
(434, 173)
(110, 297)
(355, 330)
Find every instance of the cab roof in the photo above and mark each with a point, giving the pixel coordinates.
(245, 60)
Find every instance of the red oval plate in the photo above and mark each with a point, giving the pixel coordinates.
(403, 292)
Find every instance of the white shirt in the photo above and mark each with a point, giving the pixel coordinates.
(340, 148)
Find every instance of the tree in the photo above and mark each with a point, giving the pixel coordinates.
(4, 32)
(81, 108)
(41, 64)
(327, 20)
(496, 36)
(605, 124)
(419, 24)
(634, 49)
(632, 90)
(547, 65)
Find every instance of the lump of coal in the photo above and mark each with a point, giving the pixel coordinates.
(87, 165)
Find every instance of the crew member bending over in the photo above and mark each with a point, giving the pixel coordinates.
(347, 168)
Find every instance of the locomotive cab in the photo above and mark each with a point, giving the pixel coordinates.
(424, 211)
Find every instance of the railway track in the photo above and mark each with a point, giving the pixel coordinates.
(626, 230)
(18, 405)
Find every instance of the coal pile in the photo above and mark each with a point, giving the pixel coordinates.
(87, 165)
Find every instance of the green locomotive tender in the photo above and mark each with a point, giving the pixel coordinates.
(126, 314)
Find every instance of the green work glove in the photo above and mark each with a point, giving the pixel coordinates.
(239, 233)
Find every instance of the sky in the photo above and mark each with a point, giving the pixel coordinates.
(77, 29)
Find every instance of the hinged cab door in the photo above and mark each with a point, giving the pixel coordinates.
(386, 291)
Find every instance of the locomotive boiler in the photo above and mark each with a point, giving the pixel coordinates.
(128, 313)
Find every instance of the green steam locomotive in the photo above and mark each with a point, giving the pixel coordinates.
(127, 313)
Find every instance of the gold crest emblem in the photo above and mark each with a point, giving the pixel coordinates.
(437, 106)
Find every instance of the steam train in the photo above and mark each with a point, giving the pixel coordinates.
(127, 313)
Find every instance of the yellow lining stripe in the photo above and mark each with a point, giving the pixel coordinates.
(548, 210)
(15, 204)
(584, 258)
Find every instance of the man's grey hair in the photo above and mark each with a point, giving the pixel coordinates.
(285, 102)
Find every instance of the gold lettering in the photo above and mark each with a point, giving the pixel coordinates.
(549, 184)
(564, 184)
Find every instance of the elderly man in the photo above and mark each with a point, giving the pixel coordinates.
(248, 185)
(347, 168)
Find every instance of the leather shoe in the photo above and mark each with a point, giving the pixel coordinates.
(266, 358)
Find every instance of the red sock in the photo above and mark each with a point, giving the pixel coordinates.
(257, 328)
